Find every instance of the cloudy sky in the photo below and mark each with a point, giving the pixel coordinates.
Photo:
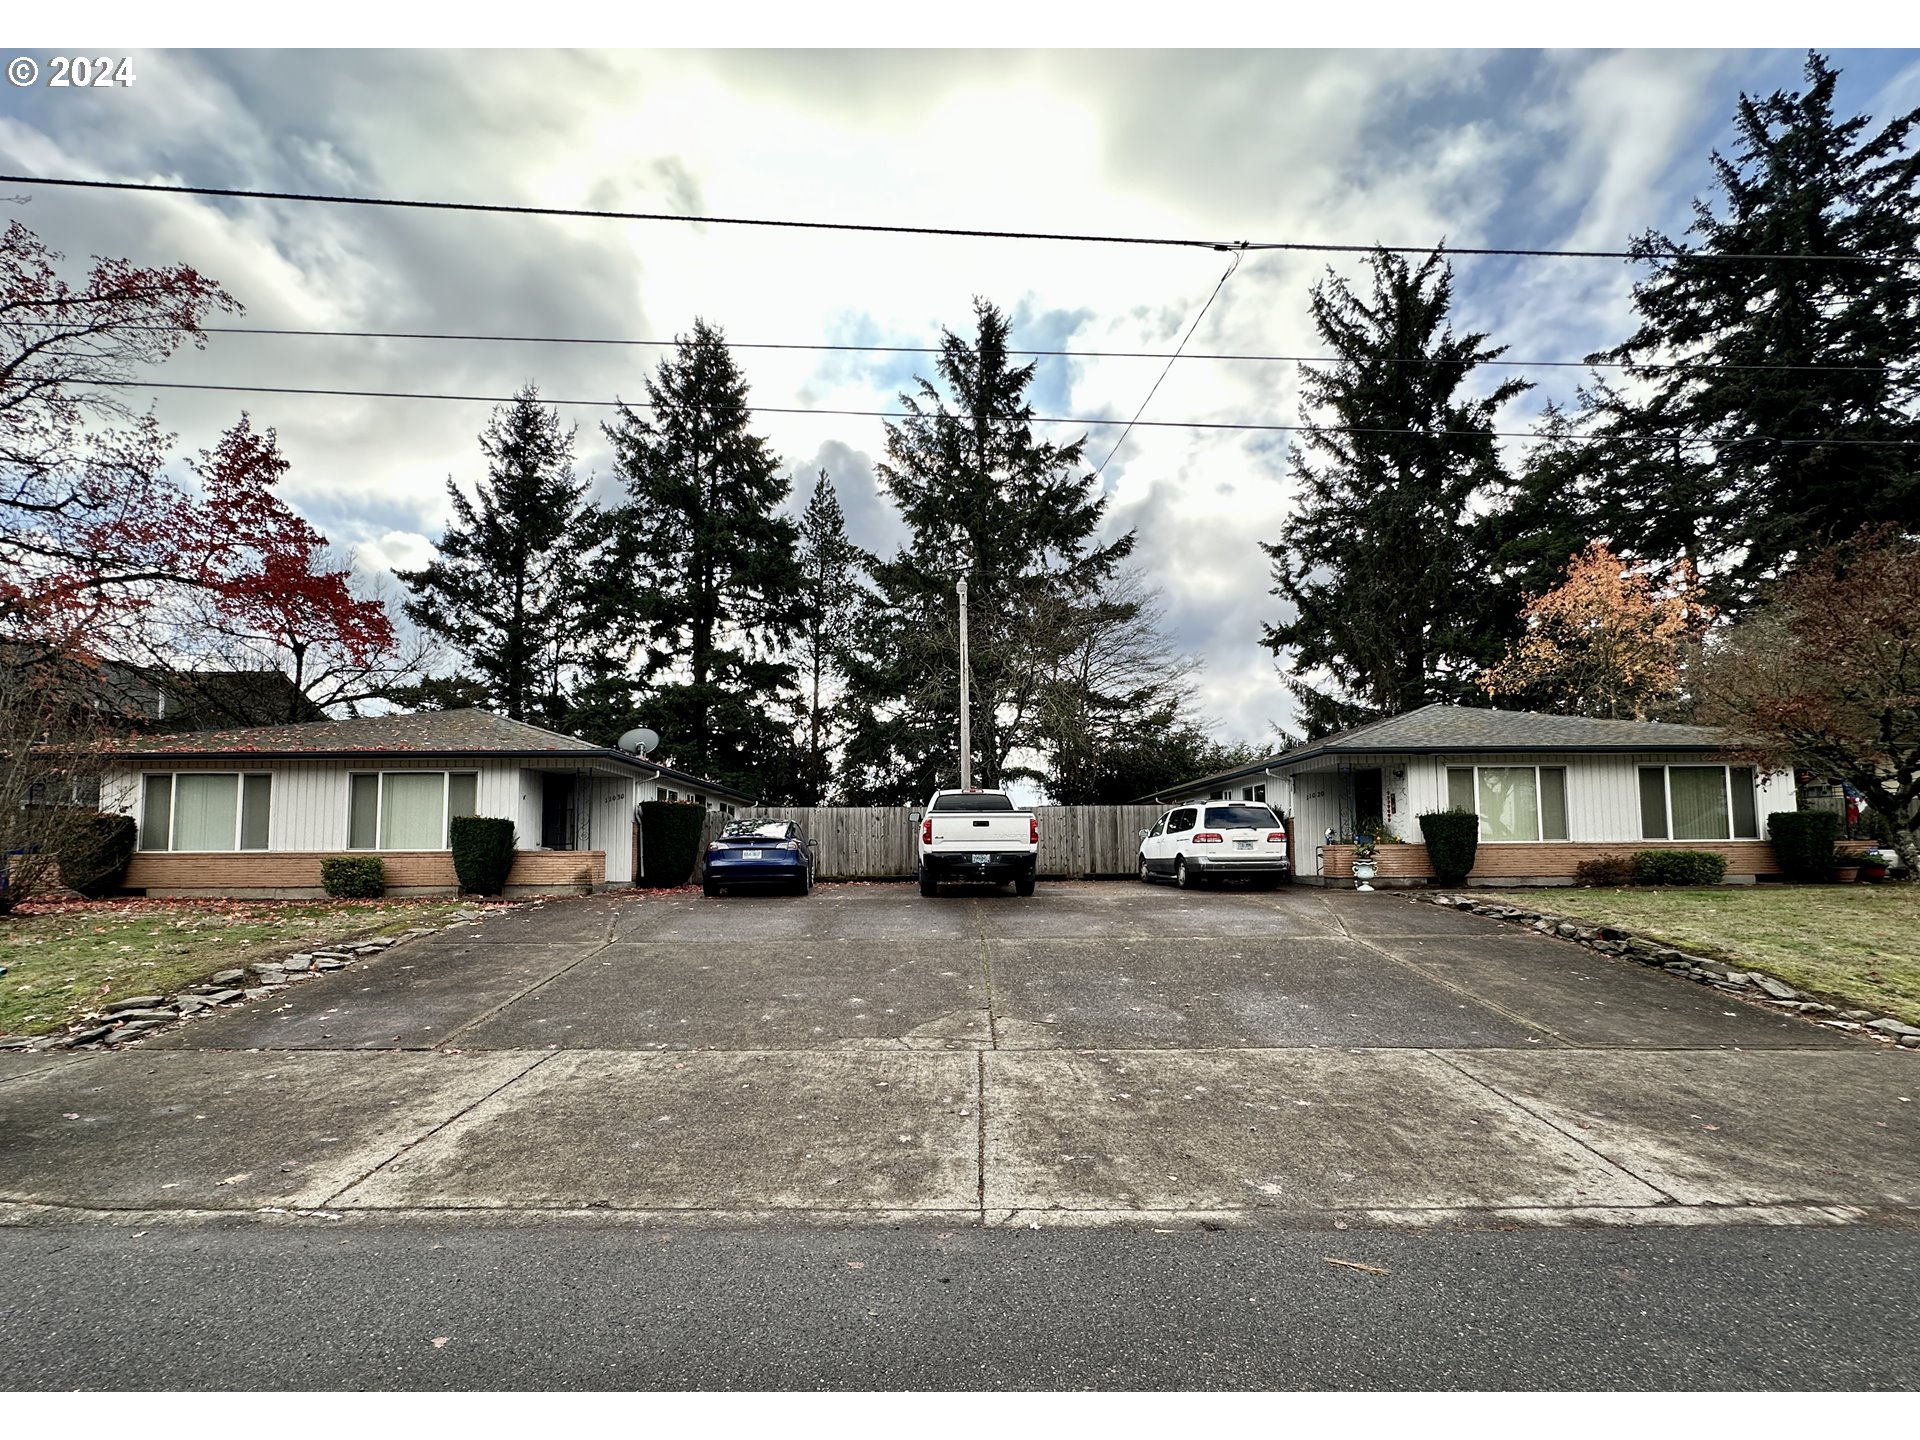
(1564, 149)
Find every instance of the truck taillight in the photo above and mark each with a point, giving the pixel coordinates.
(1207, 837)
(1277, 837)
(1033, 830)
(926, 832)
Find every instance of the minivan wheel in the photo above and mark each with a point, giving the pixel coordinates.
(1146, 877)
(1182, 876)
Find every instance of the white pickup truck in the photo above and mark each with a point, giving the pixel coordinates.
(977, 836)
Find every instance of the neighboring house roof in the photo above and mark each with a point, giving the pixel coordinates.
(1450, 729)
(435, 733)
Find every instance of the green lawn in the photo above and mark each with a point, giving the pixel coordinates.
(65, 959)
(1853, 943)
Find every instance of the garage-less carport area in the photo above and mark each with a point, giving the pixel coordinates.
(1098, 1052)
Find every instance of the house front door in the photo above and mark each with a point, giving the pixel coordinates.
(557, 811)
(1369, 797)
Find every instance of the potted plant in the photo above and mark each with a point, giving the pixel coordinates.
(1846, 867)
(1873, 865)
(1363, 862)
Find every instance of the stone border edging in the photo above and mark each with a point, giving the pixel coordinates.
(1611, 940)
(135, 1016)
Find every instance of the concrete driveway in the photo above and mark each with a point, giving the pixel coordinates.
(1098, 1052)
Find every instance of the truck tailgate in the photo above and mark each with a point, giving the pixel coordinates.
(1000, 830)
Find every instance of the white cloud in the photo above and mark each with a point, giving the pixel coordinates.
(1573, 149)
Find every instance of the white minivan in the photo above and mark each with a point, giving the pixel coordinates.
(1215, 840)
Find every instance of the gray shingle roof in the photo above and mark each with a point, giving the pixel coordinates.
(1452, 728)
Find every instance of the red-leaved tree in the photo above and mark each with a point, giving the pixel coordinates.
(1827, 676)
(103, 553)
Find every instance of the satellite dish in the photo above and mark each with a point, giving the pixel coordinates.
(639, 742)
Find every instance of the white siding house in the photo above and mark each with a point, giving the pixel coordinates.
(1550, 790)
(254, 811)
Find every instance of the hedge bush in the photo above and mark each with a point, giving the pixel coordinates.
(483, 847)
(1453, 838)
(1803, 843)
(353, 877)
(1679, 867)
(669, 841)
(94, 857)
(1605, 870)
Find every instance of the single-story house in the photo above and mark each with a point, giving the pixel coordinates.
(1550, 790)
(252, 812)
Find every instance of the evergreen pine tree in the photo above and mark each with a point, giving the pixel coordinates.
(506, 588)
(1017, 518)
(829, 563)
(705, 579)
(1381, 562)
(1781, 414)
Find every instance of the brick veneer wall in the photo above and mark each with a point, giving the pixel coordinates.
(1552, 860)
(297, 873)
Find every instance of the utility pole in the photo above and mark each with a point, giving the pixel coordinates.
(966, 695)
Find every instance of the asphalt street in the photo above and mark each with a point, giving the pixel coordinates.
(445, 1304)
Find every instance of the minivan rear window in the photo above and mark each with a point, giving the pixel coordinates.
(1241, 817)
(985, 800)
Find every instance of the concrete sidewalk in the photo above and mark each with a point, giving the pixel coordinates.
(1098, 1053)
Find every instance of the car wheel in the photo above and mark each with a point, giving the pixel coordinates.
(928, 886)
(1146, 876)
(1182, 876)
(1024, 885)
(709, 889)
(804, 885)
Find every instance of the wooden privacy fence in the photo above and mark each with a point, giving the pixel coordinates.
(876, 842)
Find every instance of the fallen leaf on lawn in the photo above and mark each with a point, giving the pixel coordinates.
(440, 1340)
(1356, 1265)
(236, 1179)
(1709, 1127)
(856, 1264)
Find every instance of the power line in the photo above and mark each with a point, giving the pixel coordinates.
(1232, 266)
(827, 347)
(909, 415)
(1301, 246)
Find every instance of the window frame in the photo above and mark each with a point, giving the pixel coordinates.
(380, 809)
(240, 778)
(1539, 802)
(1666, 769)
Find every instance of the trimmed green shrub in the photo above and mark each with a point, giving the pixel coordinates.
(1605, 870)
(1453, 838)
(353, 877)
(483, 847)
(94, 856)
(669, 841)
(1679, 867)
(1803, 843)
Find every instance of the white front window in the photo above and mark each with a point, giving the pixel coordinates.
(407, 809)
(1515, 802)
(205, 810)
(1698, 802)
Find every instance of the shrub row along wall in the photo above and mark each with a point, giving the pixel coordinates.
(1554, 860)
(876, 842)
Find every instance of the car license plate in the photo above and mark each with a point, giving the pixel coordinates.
(750, 854)
(1243, 844)
(981, 859)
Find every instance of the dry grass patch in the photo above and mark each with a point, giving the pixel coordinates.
(1851, 943)
(64, 959)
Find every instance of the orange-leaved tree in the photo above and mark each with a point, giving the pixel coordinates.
(1608, 642)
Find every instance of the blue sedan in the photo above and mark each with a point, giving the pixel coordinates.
(759, 852)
